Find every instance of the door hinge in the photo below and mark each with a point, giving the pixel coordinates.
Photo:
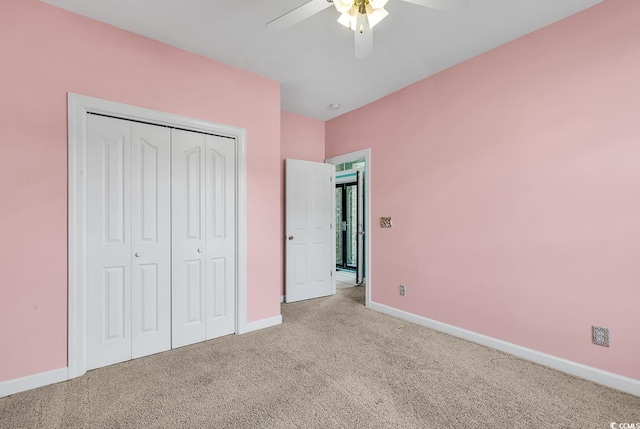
(330, 226)
(331, 273)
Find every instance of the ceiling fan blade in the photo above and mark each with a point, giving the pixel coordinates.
(298, 14)
(364, 42)
(443, 5)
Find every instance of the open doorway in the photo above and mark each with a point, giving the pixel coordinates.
(349, 223)
(352, 220)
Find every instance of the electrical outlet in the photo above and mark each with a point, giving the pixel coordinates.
(402, 290)
(600, 336)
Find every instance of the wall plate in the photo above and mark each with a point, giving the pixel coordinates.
(600, 336)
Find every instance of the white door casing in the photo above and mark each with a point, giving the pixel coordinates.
(360, 228)
(350, 157)
(203, 215)
(80, 107)
(128, 240)
(310, 242)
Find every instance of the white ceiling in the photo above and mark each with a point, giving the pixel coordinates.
(314, 60)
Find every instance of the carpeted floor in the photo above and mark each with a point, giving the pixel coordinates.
(332, 364)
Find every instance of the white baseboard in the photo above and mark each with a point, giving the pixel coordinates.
(281, 299)
(33, 381)
(263, 323)
(609, 379)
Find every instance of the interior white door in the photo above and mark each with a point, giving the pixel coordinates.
(128, 241)
(203, 235)
(310, 247)
(188, 237)
(220, 232)
(151, 239)
(108, 241)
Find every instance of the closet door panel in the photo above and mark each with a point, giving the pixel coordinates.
(188, 238)
(161, 239)
(108, 241)
(220, 236)
(151, 239)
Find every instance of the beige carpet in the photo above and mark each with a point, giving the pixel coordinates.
(331, 364)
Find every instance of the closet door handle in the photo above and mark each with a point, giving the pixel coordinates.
(137, 254)
(200, 250)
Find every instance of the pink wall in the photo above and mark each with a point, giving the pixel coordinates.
(301, 138)
(47, 52)
(513, 180)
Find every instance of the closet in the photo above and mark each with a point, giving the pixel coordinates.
(160, 238)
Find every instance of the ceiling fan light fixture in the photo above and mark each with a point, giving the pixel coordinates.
(375, 15)
(362, 22)
(360, 10)
(343, 6)
(357, 15)
(377, 4)
(350, 18)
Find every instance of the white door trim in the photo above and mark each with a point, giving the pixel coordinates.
(349, 157)
(78, 108)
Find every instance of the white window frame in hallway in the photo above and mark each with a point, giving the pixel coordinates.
(79, 107)
(350, 157)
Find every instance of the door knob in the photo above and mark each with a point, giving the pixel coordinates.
(291, 237)
(200, 250)
(137, 254)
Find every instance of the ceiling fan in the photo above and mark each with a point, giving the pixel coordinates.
(357, 15)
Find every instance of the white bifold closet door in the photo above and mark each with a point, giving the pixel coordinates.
(128, 240)
(203, 235)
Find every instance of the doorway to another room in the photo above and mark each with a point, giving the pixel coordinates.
(349, 205)
(315, 266)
